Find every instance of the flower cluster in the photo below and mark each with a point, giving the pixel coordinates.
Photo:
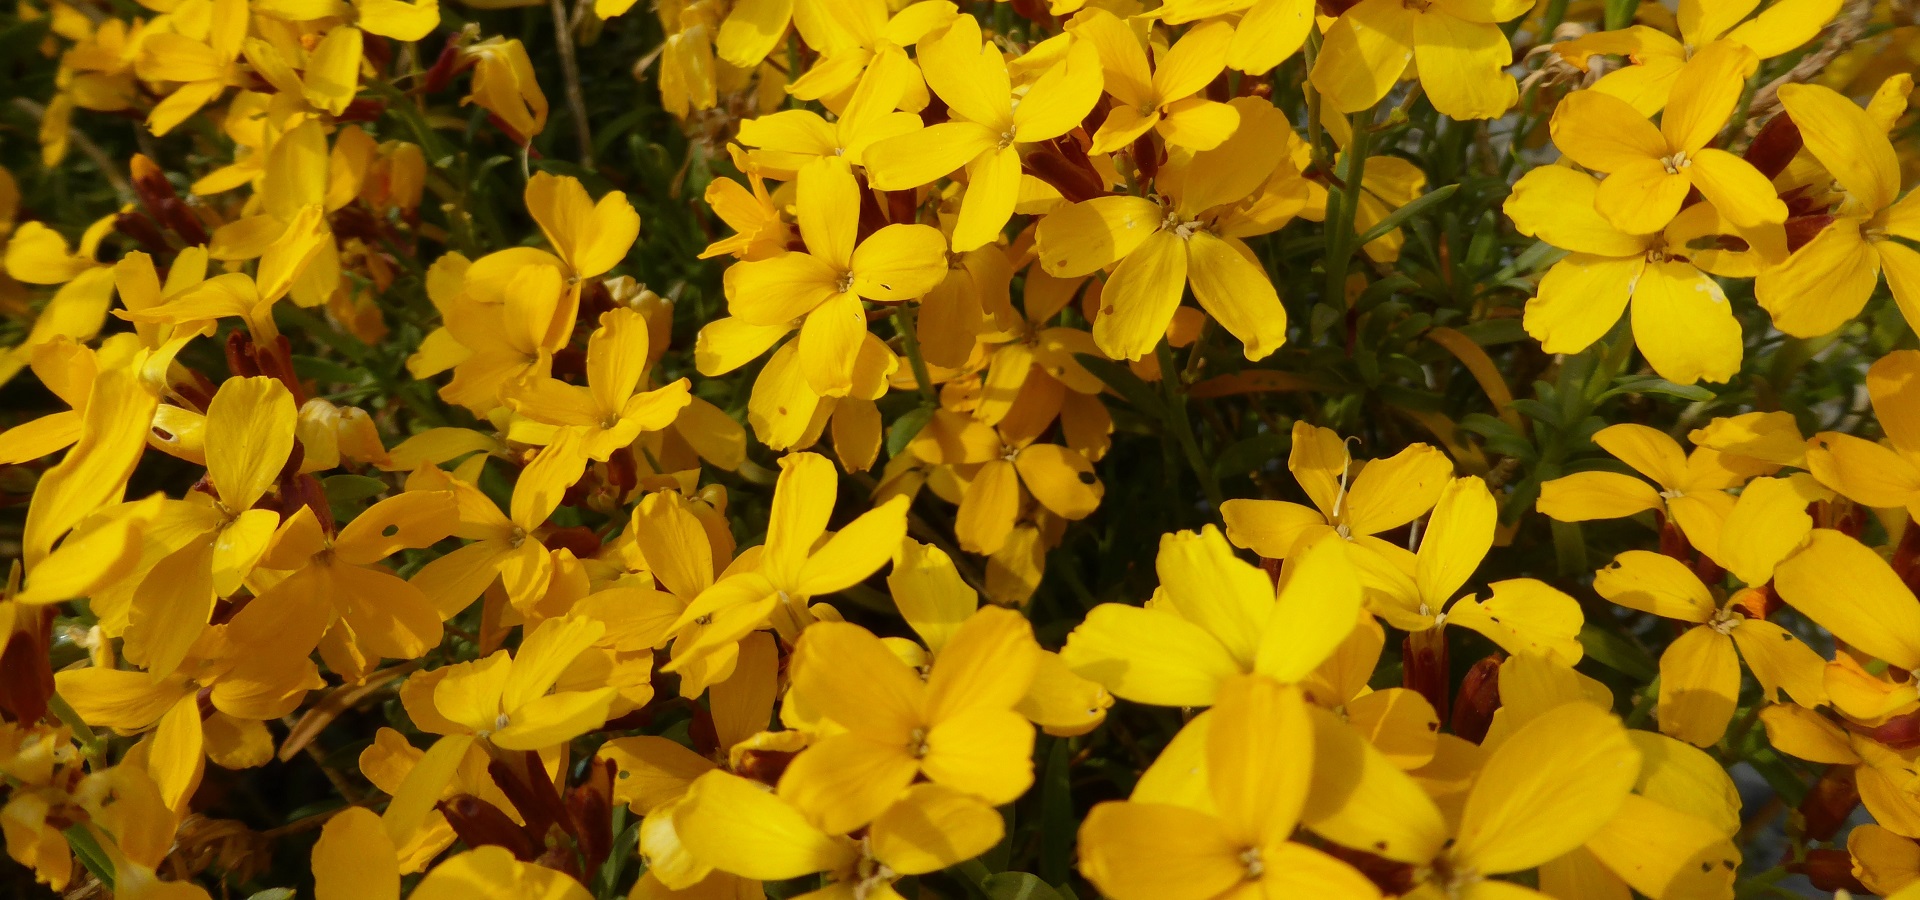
(412, 490)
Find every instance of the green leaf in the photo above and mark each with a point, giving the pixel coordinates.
(1618, 653)
(1405, 213)
(1058, 824)
(1018, 886)
(345, 489)
(1249, 455)
(1644, 385)
(1125, 383)
(906, 427)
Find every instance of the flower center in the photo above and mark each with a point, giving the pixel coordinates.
(1676, 162)
(1251, 861)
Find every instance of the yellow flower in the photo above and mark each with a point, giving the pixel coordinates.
(1190, 236)
(1357, 505)
(1871, 474)
(1162, 98)
(1519, 615)
(1689, 489)
(1681, 319)
(504, 85)
(988, 121)
(1827, 281)
(737, 826)
(204, 63)
(820, 290)
(530, 699)
(1544, 791)
(791, 569)
(1260, 767)
(611, 411)
(1456, 45)
(958, 728)
(1699, 673)
(1266, 34)
(1651, 170)
(1215, 616)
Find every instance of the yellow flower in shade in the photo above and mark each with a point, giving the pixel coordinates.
(988, 122)
(402, 21)
(784, 143)
(1681, 319)
(685, 559)
(935, 601)
(820, 290)
(738, 826)
(531, 699)
(504, 85)
(1654, 58)
(1870, 474)
(1520, 614)
(249, 433)
(1191, 235)
(36, 254)
(1162, 97)
(245, 688)
(1651, 170)
(1546, 789)
(794, 566)
(1690, 490)
(1215, 616)
(759, 231)
(327, 599)
(505, 546)
(958, 728)
(1880, 773)
(1699, 672)
(1002, 474)
(611, 411)
(1827, 281)
(356, 859)
(655, 773)
(857, 38)
(1456, 45)
(1266, 34)
(1355, 500)
(1260, 767)
(204, 64)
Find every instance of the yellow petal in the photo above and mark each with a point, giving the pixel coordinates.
(1780, 662)
(1684, 325)
(1547, 789)
(1457, 538)
(1082, 238)
(1270, 528)
(847, 675)
(1870, 609)
(250, 426)
(1259, 759)
(355, 859)
(1149, 656)
(1237, 293)
(927, 155)
(932, 828)
(1364, 54)
(1555, 204)
(1525, 615)
(1768, 522)
(1655, 583)
(856, 551)
(1736, 188)
(739, 827)
(1580, 299)
(1709, 86)
(1642, 196)
(177, 758)
(1603, 133)
(1389, 493)
(1151, 851)
(1699, 686)
(899, 262)
(1462, 65)
(1362, 800)
(1318, 602)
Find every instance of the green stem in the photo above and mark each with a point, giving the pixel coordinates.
(1313, 99)
(1340, 234)
(1182, 427)
(89, 740)
(90, 854)
(910, 341)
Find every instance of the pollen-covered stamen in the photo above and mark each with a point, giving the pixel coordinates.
(845, 283)
(917, 743)
(1255, 866)
(1727, 619)
(1676, 162)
